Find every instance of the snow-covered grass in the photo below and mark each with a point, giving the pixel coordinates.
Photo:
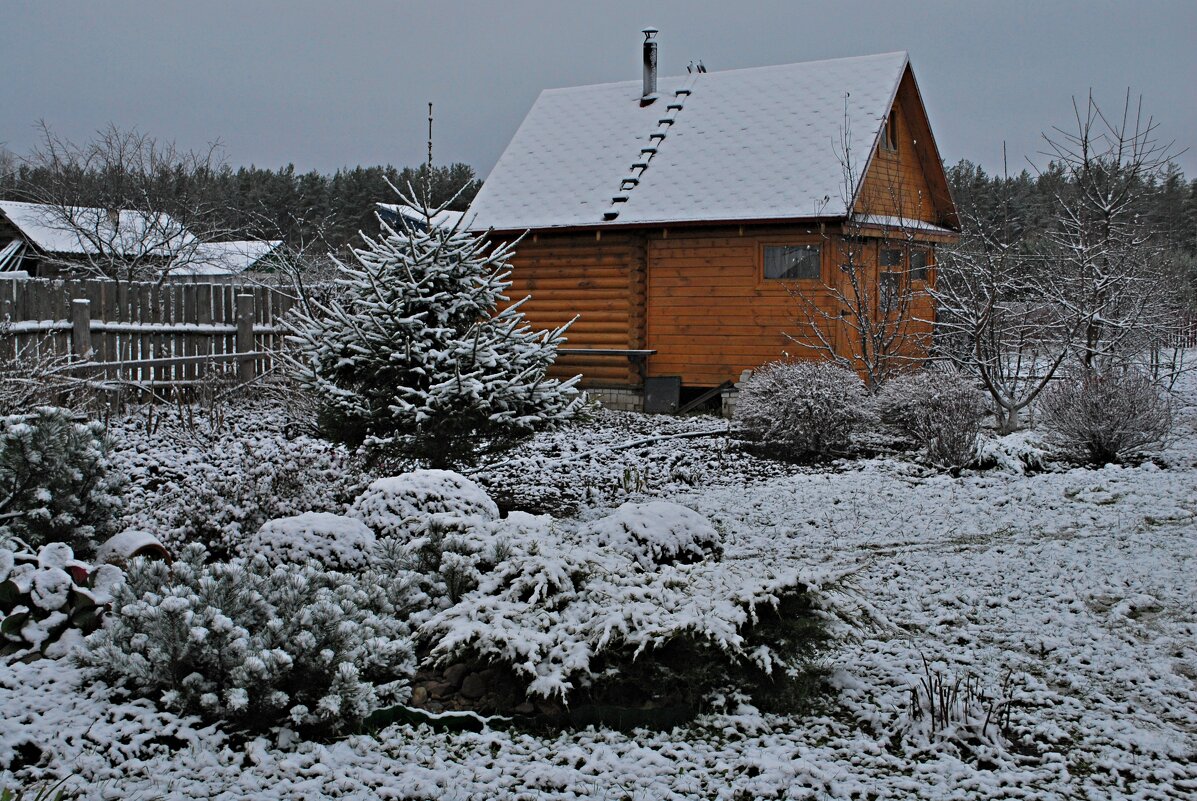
(1077, 583)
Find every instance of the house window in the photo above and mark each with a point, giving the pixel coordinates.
(919, 260)
(891, 258)
(793, 262)
(891, 282)
(889, 137)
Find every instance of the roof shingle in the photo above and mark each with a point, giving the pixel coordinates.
(748, 144)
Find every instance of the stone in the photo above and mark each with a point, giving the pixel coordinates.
(440, 689)
(419, 696)
(474, 686)
(455, 673)
(526, 708)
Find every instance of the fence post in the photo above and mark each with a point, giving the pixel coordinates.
(245, 337)
(81, 329)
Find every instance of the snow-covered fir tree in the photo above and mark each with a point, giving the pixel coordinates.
(415, 353)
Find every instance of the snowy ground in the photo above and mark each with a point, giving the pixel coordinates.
(1082, 583)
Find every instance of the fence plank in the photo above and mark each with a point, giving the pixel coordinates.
(178, 325)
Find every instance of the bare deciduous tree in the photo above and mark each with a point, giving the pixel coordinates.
(863, 317)
(127, 205)
(1014, 308)
(1114, 263)
(998, 311)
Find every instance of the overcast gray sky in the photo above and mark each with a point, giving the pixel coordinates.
(324, 85)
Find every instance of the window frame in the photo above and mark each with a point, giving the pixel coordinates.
(762, 252)
(928, 252)
(904, 266)
(889, 134)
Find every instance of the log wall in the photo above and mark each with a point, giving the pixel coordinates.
(599, 279)
(696, 296)
(896, 184)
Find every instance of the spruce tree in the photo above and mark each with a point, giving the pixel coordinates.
(415, 354)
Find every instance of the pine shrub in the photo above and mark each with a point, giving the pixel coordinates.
(587, 623)
(397, 505)
(801, 409)
(941, 412)
(331, 541)
(255, 645)
(656, 533)
(55, 483)
(415, 354)
(1101, 418)
(240, 484)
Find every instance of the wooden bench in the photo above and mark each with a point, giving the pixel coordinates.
(636, 357)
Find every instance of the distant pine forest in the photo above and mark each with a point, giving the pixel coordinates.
(313, 210)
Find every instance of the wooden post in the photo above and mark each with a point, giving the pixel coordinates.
(245, 337)
(81, 329)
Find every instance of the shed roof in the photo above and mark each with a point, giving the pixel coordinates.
(743, 145)
(224, 258)
(52, 230)
(415, 216)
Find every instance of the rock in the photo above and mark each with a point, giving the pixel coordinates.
(455, 673)
(474, 686)
(548, 708)
(526, 708)
(440, 689)
(419, 696)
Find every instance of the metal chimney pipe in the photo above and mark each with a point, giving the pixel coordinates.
(650, 65)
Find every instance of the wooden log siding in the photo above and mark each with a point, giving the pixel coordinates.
(697, 297)
(598, 280)
(174, 324)
(711, 312)
(897, 182)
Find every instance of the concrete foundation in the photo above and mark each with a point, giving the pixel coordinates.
(620, 399)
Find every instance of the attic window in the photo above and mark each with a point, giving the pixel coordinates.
(889, 137)
(793, 262)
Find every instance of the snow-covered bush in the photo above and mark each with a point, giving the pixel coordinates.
(55, 484)
(415, 354)
(581, 622)
(1019, 453)
(655, 533)
(398, 505)
(254, 644)
(1102, 418)
(444, 556)
(801, 409)
(940, 411)
(48, 599)
(237, 484)
(332, 541)
(435, 524)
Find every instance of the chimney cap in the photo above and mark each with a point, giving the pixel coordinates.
(649, 32)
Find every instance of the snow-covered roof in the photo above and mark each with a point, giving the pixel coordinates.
(903, 223)
(747, 144)
(224, 258)
(129, 232)
(415, 216)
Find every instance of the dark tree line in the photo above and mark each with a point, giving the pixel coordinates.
(310, 211)
(307, 208)
(1028, 201)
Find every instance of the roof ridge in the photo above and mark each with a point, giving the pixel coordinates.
(640, 166)
(709, 73)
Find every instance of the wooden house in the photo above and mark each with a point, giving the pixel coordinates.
(678, 217)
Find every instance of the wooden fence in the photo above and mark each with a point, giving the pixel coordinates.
(143, 333)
